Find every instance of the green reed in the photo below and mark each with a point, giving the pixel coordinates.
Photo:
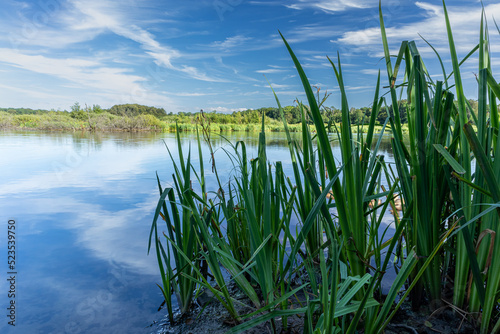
(245, 226)
(353, 191)
(174, 208)
(441, 144)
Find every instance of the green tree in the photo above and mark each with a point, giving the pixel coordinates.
(97, 109)
(76, 107)
(136, 109)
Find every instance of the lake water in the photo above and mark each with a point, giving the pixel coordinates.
(82, 205)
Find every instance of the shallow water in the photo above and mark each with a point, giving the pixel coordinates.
(82, 205)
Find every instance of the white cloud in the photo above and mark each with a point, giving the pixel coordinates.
(294, 93)
(103, 14)
(306, 33)
(84, 72)
(231, 43)
(255, 92)
(464, 21)
(351, 88)
(33, 93)
(370, 71)
(195, 74)
(193, 94)
(82, 21)
(94, 80)
(270, 70)
(274, 85)
(225, 110)
(332, 5)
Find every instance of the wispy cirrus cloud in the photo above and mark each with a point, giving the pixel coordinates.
(104, 81)
(79, 21)
(193, 94)
(226, 109)
(309, 32)
(90, 73)
(104, 14)
(464, 21)
(332, 6)
(39, 94)
(230, 43)
(274, 85)
(271, 70)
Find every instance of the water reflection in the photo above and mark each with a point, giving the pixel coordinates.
(83, 203)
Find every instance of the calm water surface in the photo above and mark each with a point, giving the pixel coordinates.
(83, 205)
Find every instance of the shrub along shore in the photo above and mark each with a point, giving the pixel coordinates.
(59, 121)
(134, 117)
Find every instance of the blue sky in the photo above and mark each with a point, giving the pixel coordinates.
(215, 54)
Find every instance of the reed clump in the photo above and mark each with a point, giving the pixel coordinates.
(443, 192)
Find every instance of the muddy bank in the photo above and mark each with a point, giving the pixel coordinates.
(210, 317)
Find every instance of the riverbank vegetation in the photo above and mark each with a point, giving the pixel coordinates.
(134, 117)
(313, 243)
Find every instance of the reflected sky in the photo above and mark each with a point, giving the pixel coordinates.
(83, 204)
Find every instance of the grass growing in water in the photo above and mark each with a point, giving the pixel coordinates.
(434, 176)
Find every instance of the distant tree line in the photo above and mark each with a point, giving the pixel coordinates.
(25, 111)
(250, 116)
(292, 115)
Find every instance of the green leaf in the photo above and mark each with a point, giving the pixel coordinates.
(453, 163)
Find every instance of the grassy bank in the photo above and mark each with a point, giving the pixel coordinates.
(57, 121)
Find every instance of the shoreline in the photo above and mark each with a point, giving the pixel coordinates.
(216, 319)
(183, 127)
